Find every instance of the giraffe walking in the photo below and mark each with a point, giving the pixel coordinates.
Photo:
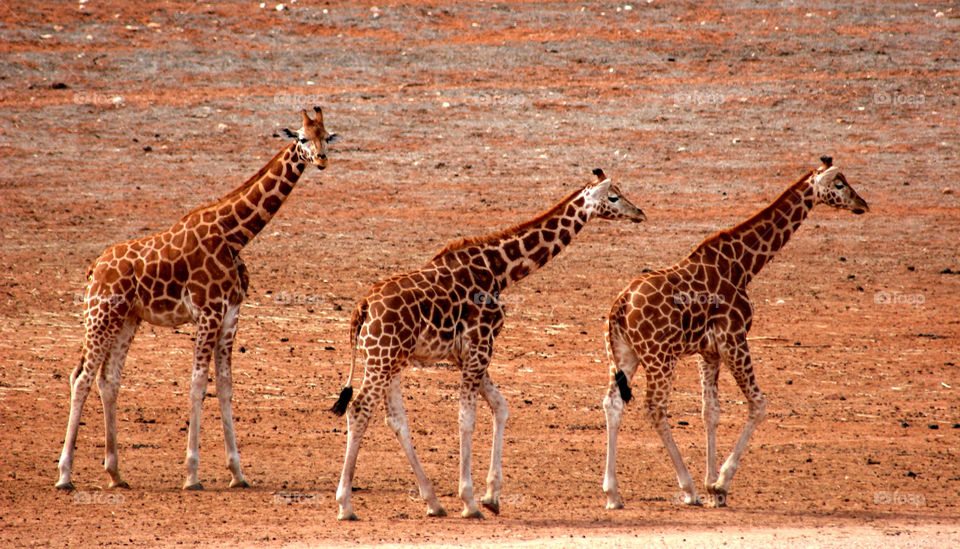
(191, 272)
(700, 306)
(450, 310)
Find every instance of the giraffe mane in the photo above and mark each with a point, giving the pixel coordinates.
(496, 237)
(241, 188)
(728, 233)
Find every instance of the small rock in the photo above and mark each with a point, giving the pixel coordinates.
(904, 424)
(933, 426)
(911, 474)
(947, 191)
(911, 268)
(58, 86)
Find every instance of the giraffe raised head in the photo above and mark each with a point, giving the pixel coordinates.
(831, 188)
(312, 138)
(610, 203)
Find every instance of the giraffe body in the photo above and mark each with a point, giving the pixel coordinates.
(191, 272)
(449, 310)
(700, 307)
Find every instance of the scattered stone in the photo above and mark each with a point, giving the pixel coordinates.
(933, 426)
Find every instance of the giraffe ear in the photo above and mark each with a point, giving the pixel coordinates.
(828, 174)
(286, 132)
(306, 118)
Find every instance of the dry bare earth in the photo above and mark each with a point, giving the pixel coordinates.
(459, 120)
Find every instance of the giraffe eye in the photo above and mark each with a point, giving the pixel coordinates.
(613, 198)
(838, 185)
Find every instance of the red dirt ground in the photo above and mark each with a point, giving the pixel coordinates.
(461, 119)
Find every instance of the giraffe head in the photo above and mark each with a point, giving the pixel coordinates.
(312, 138)
(832, 188)
(608, 201)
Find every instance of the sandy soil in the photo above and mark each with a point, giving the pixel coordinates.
(458, 120)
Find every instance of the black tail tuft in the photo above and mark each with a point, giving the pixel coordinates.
(340, 406)
(625, 393)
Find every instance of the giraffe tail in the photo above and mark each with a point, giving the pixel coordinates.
(625, 393)
(356, 322)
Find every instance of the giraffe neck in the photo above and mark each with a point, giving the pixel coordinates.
(517, 252)
(742, 251)
(243, 213)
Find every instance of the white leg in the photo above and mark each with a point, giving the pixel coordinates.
(207, 331)
(397, 421)
(223, 362)
(658, 393)
(109, 385)
(498, 407)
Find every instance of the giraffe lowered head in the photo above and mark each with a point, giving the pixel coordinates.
(312, 139)
(608, 201)
(832, 188)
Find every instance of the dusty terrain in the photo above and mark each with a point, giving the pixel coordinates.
(457, 120)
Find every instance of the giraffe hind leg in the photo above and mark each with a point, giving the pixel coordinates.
(623, 362)
(397, 422)
(99, 334)
(108, 384)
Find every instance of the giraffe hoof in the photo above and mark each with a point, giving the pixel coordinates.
(438, 512)
(119, 484)
(194, 486)
(717, 496)
(347, 516)
(239, 483)
(494, 506)
(64, 485)
(471, 514)
(614, 505)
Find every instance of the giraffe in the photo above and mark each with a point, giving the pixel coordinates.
(700, 306)
(450, 309)
(191, 272)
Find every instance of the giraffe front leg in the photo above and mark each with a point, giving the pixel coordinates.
(498, 407)
(738, 358)
(397, 421)
(224, 373)
(206, 341)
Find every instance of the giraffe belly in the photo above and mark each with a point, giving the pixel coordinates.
(165, 313)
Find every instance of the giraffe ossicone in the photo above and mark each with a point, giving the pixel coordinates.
(700, 306)
(191, 272)
(434, 314)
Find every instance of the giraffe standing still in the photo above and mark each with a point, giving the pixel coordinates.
(450, 310)
(191, 272)
(700, 306)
